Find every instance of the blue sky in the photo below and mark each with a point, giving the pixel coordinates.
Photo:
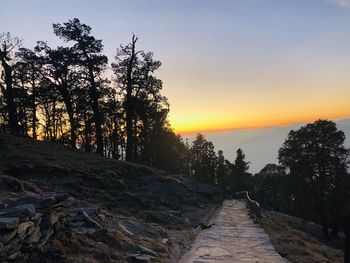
(226, 63)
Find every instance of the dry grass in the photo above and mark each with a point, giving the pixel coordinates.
(299, 243)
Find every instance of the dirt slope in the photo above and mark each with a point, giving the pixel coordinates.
(301, 241)
(70, 206)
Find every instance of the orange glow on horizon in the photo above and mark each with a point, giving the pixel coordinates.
(208, 127)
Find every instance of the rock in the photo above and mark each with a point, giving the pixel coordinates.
(14, 255)
(77, 224)
(77, 218)
(164, 241)
(8, 222)
(102, 217)
(137, 258)
(7, 235)
(91, 222)
(52, 218)
(84, 230)
(45, 237)
(88, 210)
(28, 207)
(44, 202)
(19, 211)
(125, 229)
(61, 197)
(145, 250)
(12, 246)
(37, 218)
(48, 220)
(34, 236)
(22, 227)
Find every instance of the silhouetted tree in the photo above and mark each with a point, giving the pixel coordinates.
(124, 69)
(145, 108)
(88, 49)
(316, 155)
(60, 94)
(8, 45)
(29, 75)
(169, 151)
(61, 71)
(222, 171)
(203, 160)
(271, 188)
(239, 178)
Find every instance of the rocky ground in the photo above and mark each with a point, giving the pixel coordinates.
(63, 205)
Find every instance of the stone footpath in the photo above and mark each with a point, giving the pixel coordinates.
(233, 238)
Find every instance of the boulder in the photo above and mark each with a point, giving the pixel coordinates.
(34, 236)
(36, 218)
(145, 250)
(88, 210)
(44, 202)
(48, 220)
(61, 197)
(91, 222)
(22, 227)
(8, 222)
(137, 258)
(19, 211)
(51, 218)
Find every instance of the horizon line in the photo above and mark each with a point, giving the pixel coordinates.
(248, 128)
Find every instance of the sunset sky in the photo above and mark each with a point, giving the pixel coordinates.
(227, 64)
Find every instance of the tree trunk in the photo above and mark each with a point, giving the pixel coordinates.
(130, 155)
(95, 105)
(135, 139)
(34, 117)
(325, 230)
(335, 229)
(11, 106)
(34, 95)
(69, 107)
(96, 111)
(87, 132)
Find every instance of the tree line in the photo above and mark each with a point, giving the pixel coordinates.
(64, 94)
(310, 181)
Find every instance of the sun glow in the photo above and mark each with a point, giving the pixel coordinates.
(190, 123)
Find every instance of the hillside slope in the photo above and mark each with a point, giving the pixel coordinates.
(68, 206)
(301, 241)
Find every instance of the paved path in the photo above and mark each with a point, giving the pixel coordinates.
(233, 238)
